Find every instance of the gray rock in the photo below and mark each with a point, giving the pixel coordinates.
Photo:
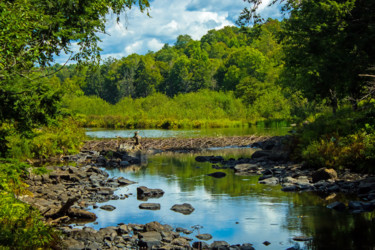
(185, 208)
(150, 206)
(219, 245)
(337, 206)
(148, 192)
(204, 236)
(108, 207)
(290, 188)
(200, 245)
(246, 167)
(270, 181)
(123, 181)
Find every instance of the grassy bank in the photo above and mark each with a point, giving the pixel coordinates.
(203, 109)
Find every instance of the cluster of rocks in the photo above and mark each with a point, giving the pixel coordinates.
(108, 159)
(152, 235)
(272, 164)
(62, 194)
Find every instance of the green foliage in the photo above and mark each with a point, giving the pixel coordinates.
(201, 109)
(64, 137)
(21, 226)
(344, 140)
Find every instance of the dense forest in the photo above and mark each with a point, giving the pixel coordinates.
(315, 68)
(233, 72)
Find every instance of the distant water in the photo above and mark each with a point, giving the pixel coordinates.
(163, 133)
(235, 208)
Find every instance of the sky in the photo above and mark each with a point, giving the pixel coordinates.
(138, 33)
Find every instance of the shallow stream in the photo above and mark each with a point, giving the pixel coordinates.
(235, 208)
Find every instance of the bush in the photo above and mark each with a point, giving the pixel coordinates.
(21, 226)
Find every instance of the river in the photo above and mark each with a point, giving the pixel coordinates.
(235, 208)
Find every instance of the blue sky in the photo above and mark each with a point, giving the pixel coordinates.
(137, 33)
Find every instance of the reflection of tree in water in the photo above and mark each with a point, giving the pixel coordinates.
(329, 228)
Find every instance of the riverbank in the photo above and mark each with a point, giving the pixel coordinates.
(88, 186)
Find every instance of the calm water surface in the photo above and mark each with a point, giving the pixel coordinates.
(235, 208)
(164, 133)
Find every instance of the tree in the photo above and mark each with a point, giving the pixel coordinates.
(33, 32)
(328, 44)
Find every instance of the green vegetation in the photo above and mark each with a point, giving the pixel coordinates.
(330, 59)
(21, 226)
(226, 78)
(32, 122)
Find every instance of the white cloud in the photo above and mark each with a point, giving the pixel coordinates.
(137, 33)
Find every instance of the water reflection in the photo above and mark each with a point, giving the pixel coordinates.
(163, 133)
(236, 208)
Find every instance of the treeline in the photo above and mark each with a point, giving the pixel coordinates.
(244, 61)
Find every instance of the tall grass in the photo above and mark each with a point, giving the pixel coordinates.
(192, 110)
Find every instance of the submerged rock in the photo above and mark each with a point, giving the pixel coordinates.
(218, 174)
(150, 206)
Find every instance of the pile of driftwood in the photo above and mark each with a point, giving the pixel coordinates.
(169, 144)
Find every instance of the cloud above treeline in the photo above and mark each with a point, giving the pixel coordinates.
(138, 33)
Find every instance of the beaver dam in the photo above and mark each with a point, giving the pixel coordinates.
(177, 144)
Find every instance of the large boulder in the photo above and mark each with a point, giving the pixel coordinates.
(324, 174)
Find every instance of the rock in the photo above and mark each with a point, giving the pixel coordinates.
(148, 243)
(355, 205)
(148, 192)
(212, 159)
(204, 236)
(150, 235)
(216, 245)
(122, 181)
(81, 214)
(302, 238)
(260, 153)
(150, 206)
(270, 181)
(72, 244)
(156, 226)
(246, 167)
(181, 242)
(108, 207)
(200, 245)
(185, 208)
(217, 174)
(290, 188)
(324, 174)
(124, 163)
(337, 206)
(266, 243)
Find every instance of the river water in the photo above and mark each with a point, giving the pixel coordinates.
(276, 129)
(235, 208)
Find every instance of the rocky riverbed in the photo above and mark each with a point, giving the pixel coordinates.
(63, 194)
